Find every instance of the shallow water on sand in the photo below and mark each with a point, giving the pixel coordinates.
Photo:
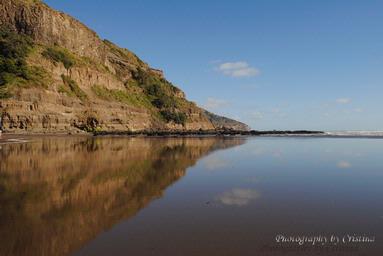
(191, 196)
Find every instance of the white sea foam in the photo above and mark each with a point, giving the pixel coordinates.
(355, 133)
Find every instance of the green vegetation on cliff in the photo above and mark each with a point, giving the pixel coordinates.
(120, 96)
(176, 117)
(72, 89)
(58, 54)
(14, 71)
(162, 95)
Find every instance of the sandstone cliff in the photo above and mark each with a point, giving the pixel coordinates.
(57, 75)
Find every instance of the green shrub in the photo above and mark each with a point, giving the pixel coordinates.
(159, 91)
(74, 89)
(14, 46)
(14, 49)
(14, 71)
(163, 101)
(107, 94)
(38, 76)
(162, 96)
(57, 54)
(176, 117)
(131, 83)
(4, 92)
(66, 90)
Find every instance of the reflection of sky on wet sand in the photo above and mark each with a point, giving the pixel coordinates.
(184, 197)
(234, 201)
(343, 164)
(238, 197)
(214, 163)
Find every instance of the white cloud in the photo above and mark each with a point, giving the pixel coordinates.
(275, 110)
(358, 110)
(237, 69)
(326, 114)
(213, 103)
(343, 100)
(343, 164)
(238, 197)
(233, 65)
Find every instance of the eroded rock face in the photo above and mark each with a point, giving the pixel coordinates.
(51, 27)
(99, 63)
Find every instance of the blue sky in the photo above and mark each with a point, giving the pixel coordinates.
(273, 64)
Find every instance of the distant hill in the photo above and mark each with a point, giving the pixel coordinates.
(223, 123)
(57, 75)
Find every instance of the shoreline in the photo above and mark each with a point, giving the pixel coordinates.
(212, 133)
(15, 137)
(162, 133)
(205, 133)
(168, 133)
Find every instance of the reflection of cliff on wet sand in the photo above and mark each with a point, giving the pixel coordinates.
(58, 193)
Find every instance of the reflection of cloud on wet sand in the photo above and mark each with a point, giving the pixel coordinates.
(252, 179)
(238, 197)
(215, 163)
(258, 152)
(343, 164)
